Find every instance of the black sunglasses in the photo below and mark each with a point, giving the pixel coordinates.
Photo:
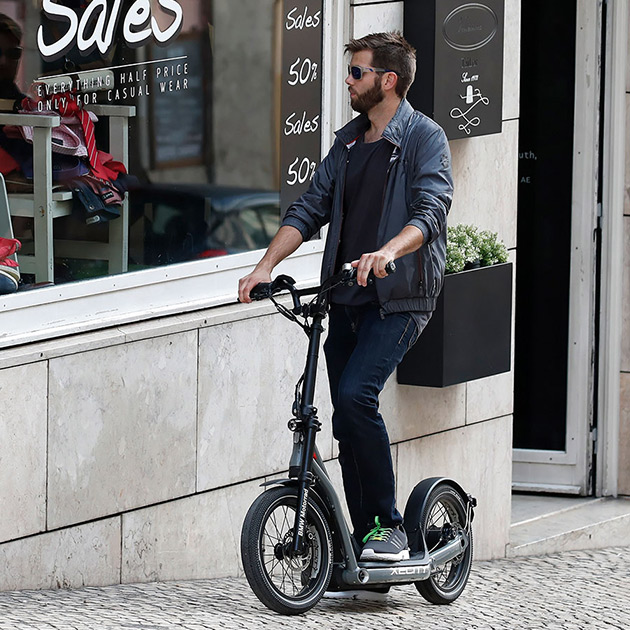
(357, 71)
(11, 53)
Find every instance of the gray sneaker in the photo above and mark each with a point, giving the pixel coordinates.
(387, 544)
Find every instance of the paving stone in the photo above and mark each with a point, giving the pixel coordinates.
(577, 590)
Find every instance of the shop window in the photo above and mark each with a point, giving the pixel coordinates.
(200, 87)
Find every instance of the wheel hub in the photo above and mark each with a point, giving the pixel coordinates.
(283, 551)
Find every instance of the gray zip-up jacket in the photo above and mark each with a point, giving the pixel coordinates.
(418, 191)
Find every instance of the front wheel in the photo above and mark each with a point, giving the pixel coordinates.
(287, 584)
(437, 517)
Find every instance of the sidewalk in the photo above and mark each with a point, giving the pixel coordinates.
(578, 590)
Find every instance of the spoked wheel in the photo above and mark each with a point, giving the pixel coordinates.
(443, 515)
(287, 584)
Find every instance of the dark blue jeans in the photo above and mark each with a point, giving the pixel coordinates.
(362, 350)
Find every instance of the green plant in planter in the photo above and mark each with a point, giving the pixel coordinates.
(467, 248)
(492, 251)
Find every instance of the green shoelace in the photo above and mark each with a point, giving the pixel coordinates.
(377, 532)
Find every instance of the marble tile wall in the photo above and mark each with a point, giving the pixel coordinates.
(247, 375)
(23, 426)
(87, 555)
(626, 206)
(479, 457)
(376, 17)
(485, 171)
(122, 426)
(195, 537)
(624, 436)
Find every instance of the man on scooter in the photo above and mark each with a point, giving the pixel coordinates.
(385, 189)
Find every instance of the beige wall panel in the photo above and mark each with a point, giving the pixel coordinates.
(626, 199)
(411, 411)
(485, 171)
(122, 428)
(625, 308)
(192, 538)
(88, 555)
(490, 397)
(624, 436)
(511, 59)
(376, 18)
(247, 375)
(479, 457)
(23, 426)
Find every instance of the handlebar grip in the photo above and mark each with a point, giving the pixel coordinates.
(390, 268)
(261, 291)
(266, 289)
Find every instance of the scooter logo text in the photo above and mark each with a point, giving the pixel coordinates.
(303, 513)
(407, 570)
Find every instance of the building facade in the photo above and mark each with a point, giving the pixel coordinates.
(142, 410)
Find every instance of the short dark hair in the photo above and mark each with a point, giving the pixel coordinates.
(10, 26)
(391, 51)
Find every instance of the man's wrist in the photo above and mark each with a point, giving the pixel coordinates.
(264, 267)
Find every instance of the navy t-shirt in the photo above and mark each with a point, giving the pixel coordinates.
(366, 173)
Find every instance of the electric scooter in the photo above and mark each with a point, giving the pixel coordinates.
(295, 542)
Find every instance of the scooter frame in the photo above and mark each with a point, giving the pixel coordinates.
(308, 475)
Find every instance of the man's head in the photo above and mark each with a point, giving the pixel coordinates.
(383, 53)
(10, 51)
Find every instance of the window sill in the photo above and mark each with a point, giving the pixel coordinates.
(91, 305)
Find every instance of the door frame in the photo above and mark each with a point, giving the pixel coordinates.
(612, 250)
(570, 471)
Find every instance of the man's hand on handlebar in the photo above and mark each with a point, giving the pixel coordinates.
(248, 282)
(374, 261)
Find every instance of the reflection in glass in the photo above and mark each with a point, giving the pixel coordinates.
(201, 147)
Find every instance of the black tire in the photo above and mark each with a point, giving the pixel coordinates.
(288, 586)
(444, 506)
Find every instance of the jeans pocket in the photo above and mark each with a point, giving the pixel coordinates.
(410, 334)
(415, 336)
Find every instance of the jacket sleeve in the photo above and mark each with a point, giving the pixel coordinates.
(431, 182)
(311, 211)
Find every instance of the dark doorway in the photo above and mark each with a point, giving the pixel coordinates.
(548, 43)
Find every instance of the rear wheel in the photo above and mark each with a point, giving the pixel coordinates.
(439, 518)
(287, 584)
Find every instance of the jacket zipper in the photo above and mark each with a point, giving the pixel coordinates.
(343, 190)
(389, 168)
(420, 267)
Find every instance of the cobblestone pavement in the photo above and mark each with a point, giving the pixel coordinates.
(569, 591)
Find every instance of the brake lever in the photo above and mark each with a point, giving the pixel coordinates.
(267, 289)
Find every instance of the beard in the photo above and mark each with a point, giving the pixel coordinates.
(363, 103)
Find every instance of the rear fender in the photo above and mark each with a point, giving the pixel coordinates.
(416, 504)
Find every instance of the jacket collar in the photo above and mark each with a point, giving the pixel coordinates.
(393, 132)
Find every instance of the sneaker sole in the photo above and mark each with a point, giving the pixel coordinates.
(370, 555)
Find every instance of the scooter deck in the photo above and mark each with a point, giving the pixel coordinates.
(415, 559)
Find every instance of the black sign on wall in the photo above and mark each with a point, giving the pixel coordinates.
(459, 78)
(300, 145)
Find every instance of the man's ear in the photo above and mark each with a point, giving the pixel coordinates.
(389, 81)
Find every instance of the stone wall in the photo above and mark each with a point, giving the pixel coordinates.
(132, 454)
